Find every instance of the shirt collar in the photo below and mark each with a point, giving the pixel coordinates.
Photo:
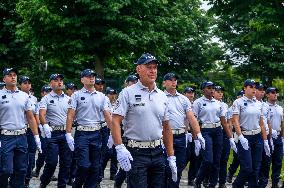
(168, 94)
(84, 90)
(54, 94)
(142, 87)
(206, 99)
(270, 104)
(9, 91)
(247, 99)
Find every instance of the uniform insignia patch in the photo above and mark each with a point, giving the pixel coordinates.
(52, 101)
(4, 97)
(82, 98)
(245, 104)
(204, 104)
(137, 98)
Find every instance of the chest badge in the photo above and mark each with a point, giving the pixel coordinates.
(138, 98)
(4, 97)
(52, 101)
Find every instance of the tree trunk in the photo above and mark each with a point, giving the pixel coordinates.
(99, 66)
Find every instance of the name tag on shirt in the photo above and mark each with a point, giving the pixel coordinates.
(139, 104)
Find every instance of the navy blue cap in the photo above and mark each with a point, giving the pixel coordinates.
(88, 72)
(99, 81)
(259, 85)
(7, 71)
(23, 79)
(170, 76)
(188, 90)
(2, 84)
(241, 93)
(110, 91)
(249, 82)
(131, 78)
(271, 89)
(55, 76)
(218, 88)
(46, 88)
(70, 86)
(146, 58)
(207, 84)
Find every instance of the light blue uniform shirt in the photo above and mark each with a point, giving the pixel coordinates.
(179, 105)
(33, 100)
(12, 109)
(89, 106)
(249, 111)
(276, 116)
(266, 115)
(56, 107)
(143, 112)
(208, 111)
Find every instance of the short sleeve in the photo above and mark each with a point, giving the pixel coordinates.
(72, 103)
(224, 109)
(187, 105)
(121, 106)
(167, 113)
(236, 108)
(106, 104)
(195, 108)
(28, 104)
(43, 103)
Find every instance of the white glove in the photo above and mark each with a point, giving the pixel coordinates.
(38, 143)
(188, 138)
(173, 166)
(233, 145)
(272, 144)
(197, 147)
(274, 134)
(201, 139)
(123, 157)
(47, 130)
(266, 148)
(70, 141)
(244, 142)
(283, 144)
(110, 142)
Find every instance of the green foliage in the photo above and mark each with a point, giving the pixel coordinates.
(253, 33)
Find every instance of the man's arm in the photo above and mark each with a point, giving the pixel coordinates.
(32, 122)
(236, 124)
(193, 122)
(168, 138)
(226, 127)
(115, 129)
(108, 118)
(42, 115)
(70, 119)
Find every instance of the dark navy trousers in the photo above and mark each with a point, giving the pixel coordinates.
(88, 155)
(194, 160)
(31, 154)
(224, 159)
(14, 160)
(148, 168)
(211, 156)
(57, 146)
(180, 153)
(250, 161)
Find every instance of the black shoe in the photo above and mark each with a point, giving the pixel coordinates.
(112, 176)
(275, 186)
(197, 185)
(42, 186)
(98, 185)
(35, 173)
(53, 178)
(222, 186)
(229, 179)
(190, 183)
(70, 181)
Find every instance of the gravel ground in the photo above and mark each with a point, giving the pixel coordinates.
(109, 183)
